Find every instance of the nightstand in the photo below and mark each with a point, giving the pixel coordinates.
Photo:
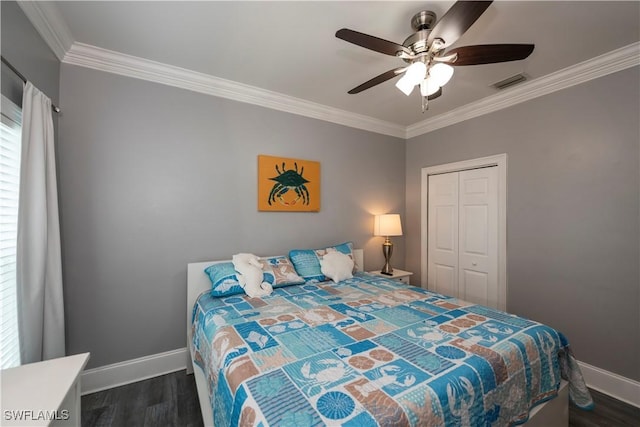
(399, 275)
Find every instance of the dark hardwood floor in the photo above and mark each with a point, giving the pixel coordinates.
(608, 412)
(168, 400)
(171, 400)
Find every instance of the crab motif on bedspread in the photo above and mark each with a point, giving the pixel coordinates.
(386, 376)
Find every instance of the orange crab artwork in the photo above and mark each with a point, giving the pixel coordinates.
(288, 185)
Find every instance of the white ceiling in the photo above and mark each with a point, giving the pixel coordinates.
(290, 47)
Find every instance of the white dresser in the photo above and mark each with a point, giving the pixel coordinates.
(43, 393)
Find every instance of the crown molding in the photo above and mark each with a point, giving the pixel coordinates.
(49, 23)
(118, 63)
(114, 62)
(608, 63)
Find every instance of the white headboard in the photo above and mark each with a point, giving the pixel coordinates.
(198, 282)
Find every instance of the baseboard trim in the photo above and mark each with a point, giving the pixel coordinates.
(614, 385)
(131, 371)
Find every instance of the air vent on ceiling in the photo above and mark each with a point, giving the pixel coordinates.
(510, 81)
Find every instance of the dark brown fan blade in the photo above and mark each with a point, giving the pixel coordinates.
(370, 42)
(490, 53)
(435, 95)
(377, 80)
(457, 20)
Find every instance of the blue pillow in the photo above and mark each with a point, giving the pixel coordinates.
(224, 281)
(307, 261)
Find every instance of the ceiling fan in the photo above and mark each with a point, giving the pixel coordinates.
(424, 50)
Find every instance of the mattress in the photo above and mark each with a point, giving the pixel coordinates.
(373, 351)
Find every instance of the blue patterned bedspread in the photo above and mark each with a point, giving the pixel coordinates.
(371, 351)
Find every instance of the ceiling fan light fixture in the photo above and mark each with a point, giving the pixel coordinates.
(405, 84)
(414, 74)
(441, 73)
(428, 87)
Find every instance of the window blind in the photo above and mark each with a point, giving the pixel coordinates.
(10, 134)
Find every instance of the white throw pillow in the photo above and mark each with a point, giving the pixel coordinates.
(337, 266)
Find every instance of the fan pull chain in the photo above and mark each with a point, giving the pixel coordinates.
(425, 99)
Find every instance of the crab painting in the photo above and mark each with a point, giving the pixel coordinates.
(289, 179)
(288, 184)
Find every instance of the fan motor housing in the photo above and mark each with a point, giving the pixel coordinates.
(422, 23)
(423, 20)
(417, 41)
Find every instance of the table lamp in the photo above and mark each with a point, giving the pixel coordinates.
(387, 225)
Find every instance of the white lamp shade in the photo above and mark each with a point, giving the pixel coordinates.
(405, 84)
(387, 225)
(441, 73)
(416, 72)
(412, 76)
(428, 87)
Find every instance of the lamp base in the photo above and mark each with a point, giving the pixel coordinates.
(387, 250)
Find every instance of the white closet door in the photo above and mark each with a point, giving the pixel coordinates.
(478, 236)
(443, 233)
(463, 235)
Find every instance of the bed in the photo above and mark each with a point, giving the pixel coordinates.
(372, 351)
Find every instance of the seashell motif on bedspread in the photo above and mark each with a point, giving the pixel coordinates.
(370, 351)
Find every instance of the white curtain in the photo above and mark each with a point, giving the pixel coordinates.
(38, 259)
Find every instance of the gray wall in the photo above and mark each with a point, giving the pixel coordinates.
(573, 214)
(23, 47)
(153, 177)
